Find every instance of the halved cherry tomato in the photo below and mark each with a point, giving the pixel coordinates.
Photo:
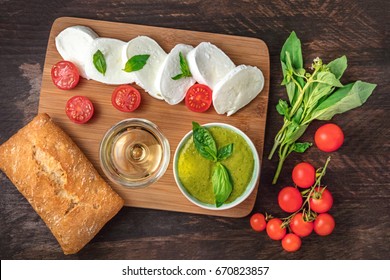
(258, 222)
(324, 224)
(291, 242)
(321, 200)
(65, 75)
(329, 137)
(304, 175)
(275, 230)
(79, 109)
(126, 98)
(290, 199)
(299, 226)
(198, 98)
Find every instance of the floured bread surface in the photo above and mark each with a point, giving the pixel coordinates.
(60, 183)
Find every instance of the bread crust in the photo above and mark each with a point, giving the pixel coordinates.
(59, 182)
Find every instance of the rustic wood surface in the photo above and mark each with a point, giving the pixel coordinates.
(358, 174)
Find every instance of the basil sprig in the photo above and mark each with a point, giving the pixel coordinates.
(136, 62)
(185, 69)
(318, 95)
(206, 146)
(100, 62)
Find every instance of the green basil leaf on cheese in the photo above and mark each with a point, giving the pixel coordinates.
(100, 62)
(136, 62)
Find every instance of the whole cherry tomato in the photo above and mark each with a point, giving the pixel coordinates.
(258, 222)
(321, 200)
(329, 137)
(304, 175)
(290, 199)
(291, 242)
(275, 230)
(299, 226)
(324, 224)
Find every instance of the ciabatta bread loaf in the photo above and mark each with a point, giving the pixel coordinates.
(60, 183)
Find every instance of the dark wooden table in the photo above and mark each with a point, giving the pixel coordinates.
(358, 175)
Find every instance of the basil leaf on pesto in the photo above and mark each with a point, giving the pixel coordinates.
(100, 62)
(204, 142)
(225, 152)
(222, 185)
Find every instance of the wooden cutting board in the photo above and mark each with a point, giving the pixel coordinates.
(174, 121)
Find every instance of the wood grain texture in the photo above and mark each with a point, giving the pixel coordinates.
(174, 121)
(358, 175)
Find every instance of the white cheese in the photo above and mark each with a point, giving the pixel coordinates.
(147, 76)
(112, 50)
(209, 64)
(239, 87)
(73, 45)
(174, 91)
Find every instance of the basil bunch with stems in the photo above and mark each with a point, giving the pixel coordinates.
(318, 95)
(206, 146)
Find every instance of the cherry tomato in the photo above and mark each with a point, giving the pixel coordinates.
(65, 75)
(290, 199)
(304, 175)
(321, 200)
(291, 242)
(329, 137)
(258, 222)
(301, 227)
(79, 109)
(198, 98)
(275, 230)
(126, 98)
(324, 224)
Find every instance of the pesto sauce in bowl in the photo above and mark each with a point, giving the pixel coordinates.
(194, 171)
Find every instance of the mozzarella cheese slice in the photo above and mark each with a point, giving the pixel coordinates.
(147, 76)
(112, 50)
(209, 64)
(239, 87)
(174, 91)
(73, 45)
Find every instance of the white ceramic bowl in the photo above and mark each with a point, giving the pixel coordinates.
(251, 186)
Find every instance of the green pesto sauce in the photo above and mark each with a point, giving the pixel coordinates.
(195, 171)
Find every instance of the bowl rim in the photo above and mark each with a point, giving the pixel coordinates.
(251, 185)
(166, 157)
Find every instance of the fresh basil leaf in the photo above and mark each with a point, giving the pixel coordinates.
(283, 108)
(294, 132)
(293, 47)
(298, 115)
(178, 76)
(225, 152)
(301, 147)
(328, 78)
(185, 69)
(136, 63)
(99, 62)
(204, 142)
(344, 99)
(338, 66)
(222, 184)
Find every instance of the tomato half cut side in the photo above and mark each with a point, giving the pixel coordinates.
(126, 98)
(79, 109)
(198, 98)
(65, 75)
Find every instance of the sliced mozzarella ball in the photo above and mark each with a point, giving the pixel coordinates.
(147, 76)
(209, 64)
(73, 45)
(112, 50)
(174, 91)
(239, 87)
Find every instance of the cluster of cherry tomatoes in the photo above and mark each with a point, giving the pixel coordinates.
(308, 202)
